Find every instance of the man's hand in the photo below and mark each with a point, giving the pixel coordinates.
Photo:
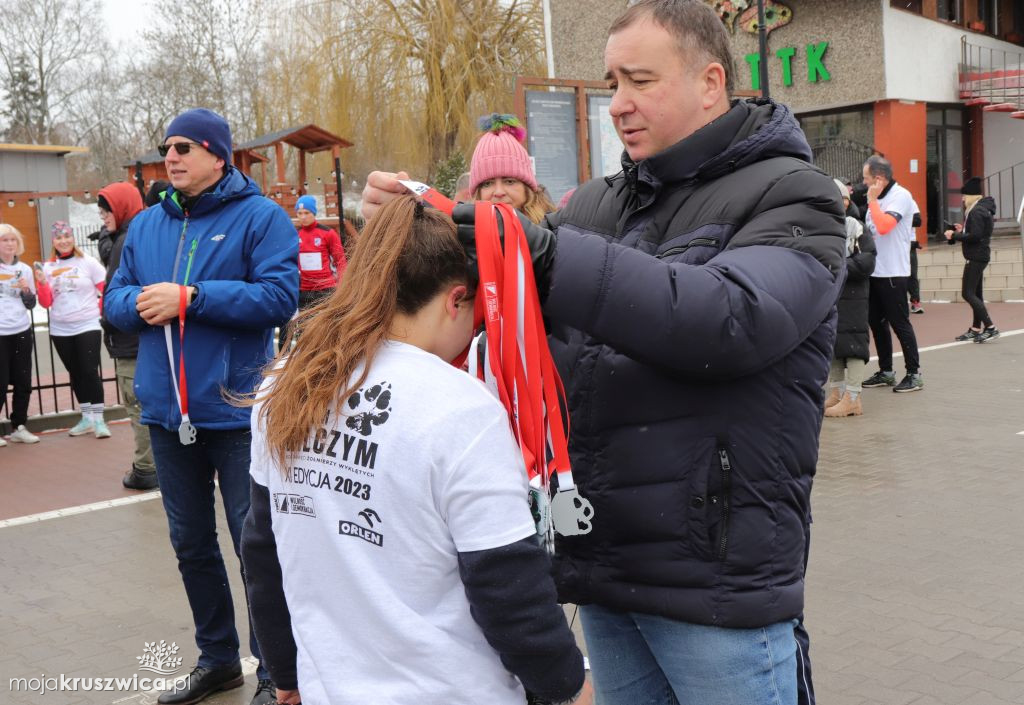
(875, 188)
(381, 187)
(21, 283)
(289, 697)
(158, 303)
(948, 234)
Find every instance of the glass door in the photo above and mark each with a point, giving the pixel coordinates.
(945, 169)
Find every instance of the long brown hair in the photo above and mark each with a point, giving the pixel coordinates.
(402, 259)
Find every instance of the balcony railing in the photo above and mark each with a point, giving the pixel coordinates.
(992, 78)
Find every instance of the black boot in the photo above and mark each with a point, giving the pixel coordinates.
(137, 480)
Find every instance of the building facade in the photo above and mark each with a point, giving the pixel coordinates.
(936, 86)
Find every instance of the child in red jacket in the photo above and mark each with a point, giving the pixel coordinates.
(319, 248)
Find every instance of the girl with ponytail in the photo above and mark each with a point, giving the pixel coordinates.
(501, 170)
(399, 552)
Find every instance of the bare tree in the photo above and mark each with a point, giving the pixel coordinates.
(59, 40)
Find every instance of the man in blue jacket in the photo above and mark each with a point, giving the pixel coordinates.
(691, 300)
(204, 278)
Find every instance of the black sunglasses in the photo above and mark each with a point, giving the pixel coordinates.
(179, 147)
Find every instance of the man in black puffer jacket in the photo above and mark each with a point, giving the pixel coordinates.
(692, 308)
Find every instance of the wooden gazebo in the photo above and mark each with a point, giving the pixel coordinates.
(306, 139)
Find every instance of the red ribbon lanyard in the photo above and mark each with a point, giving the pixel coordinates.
(182, 386)
(517, 351)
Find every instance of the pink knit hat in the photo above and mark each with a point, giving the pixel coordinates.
(500, 152)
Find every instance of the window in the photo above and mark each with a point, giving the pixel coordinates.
(948, 10)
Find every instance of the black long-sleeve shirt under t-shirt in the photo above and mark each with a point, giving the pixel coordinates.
(510, 592)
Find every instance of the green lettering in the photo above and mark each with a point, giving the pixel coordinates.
(786, 56)
(816, 70)
(755, 71)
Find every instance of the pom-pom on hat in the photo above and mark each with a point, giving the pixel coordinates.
(971, 187)
(206, 128)
(499, 152)
(307, 203)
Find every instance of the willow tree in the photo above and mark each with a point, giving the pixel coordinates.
(413, 75)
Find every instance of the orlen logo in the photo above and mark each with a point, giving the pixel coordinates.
(491, 301)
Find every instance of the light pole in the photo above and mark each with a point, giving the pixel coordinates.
(762, 42)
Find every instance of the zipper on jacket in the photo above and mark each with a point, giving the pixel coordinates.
(696, 242)
(726, 465)
(188, 266)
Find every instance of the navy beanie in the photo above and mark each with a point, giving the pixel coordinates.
(205, 127)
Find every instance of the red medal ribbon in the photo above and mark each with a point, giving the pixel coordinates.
(182, 386)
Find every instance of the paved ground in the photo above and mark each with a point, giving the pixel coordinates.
(914, 590)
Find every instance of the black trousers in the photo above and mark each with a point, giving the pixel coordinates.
(81, 356)
(888, 308)
(972, 293)
(914, 285)
(306, 299)
(16, 370)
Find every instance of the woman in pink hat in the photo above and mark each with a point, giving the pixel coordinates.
(501, 170)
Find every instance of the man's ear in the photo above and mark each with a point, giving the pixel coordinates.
(713, 85)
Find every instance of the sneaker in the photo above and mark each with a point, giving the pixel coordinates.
(910, 383)
(266, 693)
(915, 307)
(81, 428)
(22, 435)
(2, 442)
(100, 429)
(136, 480)
(970, 334)
(880, 379)
(986, 335)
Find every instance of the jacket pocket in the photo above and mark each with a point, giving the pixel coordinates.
(711, 502)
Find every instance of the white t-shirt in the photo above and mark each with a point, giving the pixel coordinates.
(893, 248)
(76, 307)
(13, 314)
(369, 523)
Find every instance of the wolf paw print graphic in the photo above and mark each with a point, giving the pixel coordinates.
(369, 407)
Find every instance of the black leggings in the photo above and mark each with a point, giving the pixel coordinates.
(16, 370)
(887, 306)
(972, 285)
(81, 356)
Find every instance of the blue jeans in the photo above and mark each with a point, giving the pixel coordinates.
(640, 659)
(186, 475)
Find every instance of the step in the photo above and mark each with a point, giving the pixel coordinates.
(953, 295)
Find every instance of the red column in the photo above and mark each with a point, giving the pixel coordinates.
(901, 135)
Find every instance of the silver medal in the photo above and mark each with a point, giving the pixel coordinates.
(186, 433)
(571, 513)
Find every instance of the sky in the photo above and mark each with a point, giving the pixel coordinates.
(125, 20)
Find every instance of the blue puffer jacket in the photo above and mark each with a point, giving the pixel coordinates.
(692, 304)
(240, 251)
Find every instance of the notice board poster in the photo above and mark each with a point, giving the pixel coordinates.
(552, 142)
(605, 145)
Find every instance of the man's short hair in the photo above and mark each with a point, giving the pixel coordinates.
(879, 166)
(699, 33)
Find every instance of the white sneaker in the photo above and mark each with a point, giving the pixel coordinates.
(81, 428)
(2, 442)
(101, 430)
(22, 435)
